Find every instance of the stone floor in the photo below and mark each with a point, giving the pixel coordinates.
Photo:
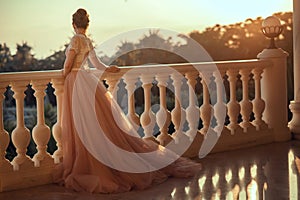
(265, 172)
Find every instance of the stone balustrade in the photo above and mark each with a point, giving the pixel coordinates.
(207, 109)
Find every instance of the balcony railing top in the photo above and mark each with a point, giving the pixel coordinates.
(179, 67)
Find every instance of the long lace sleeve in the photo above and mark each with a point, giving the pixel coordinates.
(96, 62)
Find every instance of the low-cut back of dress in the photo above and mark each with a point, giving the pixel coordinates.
(102, 151)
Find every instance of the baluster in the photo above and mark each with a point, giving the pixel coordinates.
(220, 106)
(192, 111)
(206, 108)
(147, 117)
(21, 134)
(41, 132)
(258, 102)
(112, 83)
(58, 85)
(132, 116)
(178, 114)
(233, 106)
(163, 116)
(4, 137)
(246, 104)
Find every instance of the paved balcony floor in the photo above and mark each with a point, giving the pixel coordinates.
(264, 172)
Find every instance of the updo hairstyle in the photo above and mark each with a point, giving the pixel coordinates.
(80, 18)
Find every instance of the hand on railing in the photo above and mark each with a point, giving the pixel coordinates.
(112, 69)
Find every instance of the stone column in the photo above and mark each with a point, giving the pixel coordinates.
(41, 132)
(163, 116)
(131, 114)
(58, 85)
(4, 137)
(147, 117)
(192, 111)
(246, 104)
(294, 124)
(21, 134)
(274, 92)
(234, 107)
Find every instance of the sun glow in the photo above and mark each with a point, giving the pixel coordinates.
(38, 20)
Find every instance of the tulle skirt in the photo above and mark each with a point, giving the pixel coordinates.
(102, 152)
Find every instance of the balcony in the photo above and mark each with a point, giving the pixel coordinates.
(234, 111)
(234, 106)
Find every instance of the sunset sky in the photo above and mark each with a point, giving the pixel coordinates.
(46, 24)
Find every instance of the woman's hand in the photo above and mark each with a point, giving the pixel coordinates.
(113, 69)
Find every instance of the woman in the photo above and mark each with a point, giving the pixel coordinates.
(102, 152)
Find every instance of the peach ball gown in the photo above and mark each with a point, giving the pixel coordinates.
(102, 152)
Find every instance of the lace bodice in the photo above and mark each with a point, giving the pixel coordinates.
(82, 45)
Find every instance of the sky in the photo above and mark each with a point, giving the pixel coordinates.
(46, 24)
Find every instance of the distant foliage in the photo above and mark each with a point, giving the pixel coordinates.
(242, 40)
(24, 60)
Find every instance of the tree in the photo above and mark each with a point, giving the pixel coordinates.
(54, 61)
(24, 60)
(5, 55)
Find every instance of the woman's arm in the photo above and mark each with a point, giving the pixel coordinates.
(69, 62)
(100, 65)
(95, 61)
